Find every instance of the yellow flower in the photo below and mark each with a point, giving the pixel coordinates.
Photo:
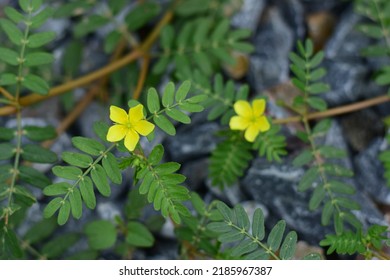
(128, 126)
(250, 118)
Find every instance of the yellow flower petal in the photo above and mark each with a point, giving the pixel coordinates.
(263, 124)
(116, 133)
(258, 106)
(136, 113)
(118, 115)
(252, 132)
(143, 127)
(243, 108)
(131, 140)
(238, 123)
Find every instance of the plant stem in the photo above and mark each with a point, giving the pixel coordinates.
(142, 76)
(6, 94)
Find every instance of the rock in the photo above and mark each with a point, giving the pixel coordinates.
(192, 142)
(196, 172)
(164, 250)
(361, 128)
(249, 15)
(320, 5)
(369, 172)
(275, 186)
(349, 82)
(347, 42)
(294, 15)
(108, 210)
(93, 113)
(269, 64)
(231, 194)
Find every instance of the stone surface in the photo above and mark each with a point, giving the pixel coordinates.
(249, 15)
(369, 172)
(293, 14)
(192, 142)
(269, 64)
(320, 5)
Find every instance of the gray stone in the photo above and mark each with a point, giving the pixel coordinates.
(249, 15)
(347, 42)
(196, 172)
(93, 113)
(192, 142)
(231, 194)
(320, 5)
(269, 64)
(294, 14)
(369, 172)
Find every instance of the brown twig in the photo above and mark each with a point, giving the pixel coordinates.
(146, 45)
(142, 77)
(338, 110)
(6, 94)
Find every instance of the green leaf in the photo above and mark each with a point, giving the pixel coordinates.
(57, 189)
(142, 14)
(77, 159)
(322, 127)
(36, 133)
(336, 170)
(289, 245)
(242, 217)
(225, 211)
(317, 197)
(156, 154)
(33, 177)
(59, 245)
(12, 31)
(327, 212)
(275, 237)
(111, 167)
(138, 235)
(38, 58)
(313, 257)
(52, 207)
(340, 187)
(6, 151)
(193, 108)
(87, 192)
(40, 231)
(99, 178)
(73, 52)
(101, 130)
(232, 236)
(8, 79)
(112, 39)
(36, 84)
(242, 47)
(303, 158)
(13, 14)
(116, 6)
(219, 227)
(371, 30)
(317, 59)
(168, 95)
(245, 246)
(6, 134)
(163, 123)
(317, 103)
(308, 179)
(41, 18)
(332, 152)
(347, 203)
(182, 91)
(153, 101)
(178, 115)
(40, 39)
(318, 88)
(30, 5)
(67, 172)
(317, 74)
(35, 153)
(191, 7)
(89, 25)
(101, 234)
(297, 60)
(9, 56)
(63, 214)
(11, 243)
(258, 224)
(76, 203)
(23, 196)
(88, 145)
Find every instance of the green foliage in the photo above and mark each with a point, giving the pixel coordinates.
(328, 191)
(173, 105)
(271, 144)
(161, 184)
(248, 237)
(201, 43)
(357, 243)
(229, 160)
(101, 234)
(385, 158)
(26, 43)
(92, 167)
